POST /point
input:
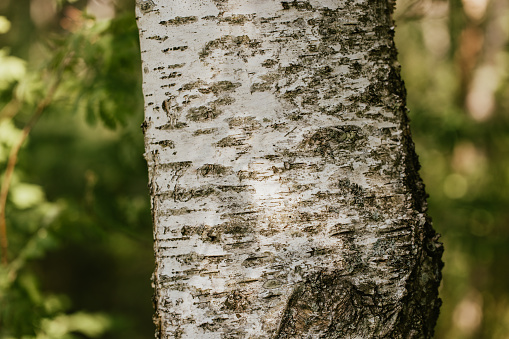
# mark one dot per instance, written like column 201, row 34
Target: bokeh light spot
column 468, row 314
column 455, row 186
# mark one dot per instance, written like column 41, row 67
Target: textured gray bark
column 285, row 193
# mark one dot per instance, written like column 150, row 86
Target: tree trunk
column 285, row 194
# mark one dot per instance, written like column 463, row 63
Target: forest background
column 77, row 210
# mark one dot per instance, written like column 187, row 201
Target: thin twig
column 13, row 156
column 9, row 110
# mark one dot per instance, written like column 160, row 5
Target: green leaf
column 11, row 68
column 5, row 25
column 26, row 195
column 92, row 325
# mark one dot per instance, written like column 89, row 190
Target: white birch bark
column 285, row 194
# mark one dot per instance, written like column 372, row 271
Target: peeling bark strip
column 285, row 193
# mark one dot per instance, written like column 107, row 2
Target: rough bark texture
column 285, row 193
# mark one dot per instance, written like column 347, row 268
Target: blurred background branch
column 13, row 155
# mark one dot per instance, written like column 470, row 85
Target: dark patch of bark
column 329, row 141
column 298, row 5
column 215, row 170
column 328, row 305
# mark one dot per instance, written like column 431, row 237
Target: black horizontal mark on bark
column 179, row 20
column 299, row 5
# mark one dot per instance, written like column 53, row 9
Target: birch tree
column 285, row 194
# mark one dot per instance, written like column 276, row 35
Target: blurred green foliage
column 78, row 214
column 79, row 227
column 455, row 58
